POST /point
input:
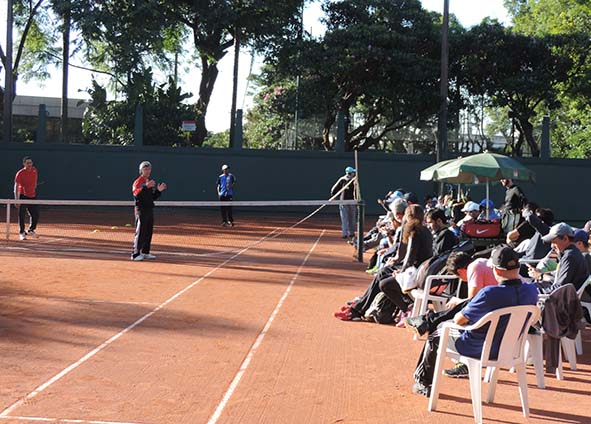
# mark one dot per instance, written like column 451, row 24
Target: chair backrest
column 511, row 349
column 583, row 287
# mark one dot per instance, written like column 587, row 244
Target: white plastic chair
column 511, row 355
column 423, row 296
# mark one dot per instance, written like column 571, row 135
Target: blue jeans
column 348, row 221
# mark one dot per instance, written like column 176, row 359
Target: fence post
column 360, row 229
column 42, row 124
column 138, row 127
column 8, row 220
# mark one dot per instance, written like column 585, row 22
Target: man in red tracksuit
column 25, row 188
column 145, row 191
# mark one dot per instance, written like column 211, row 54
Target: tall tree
column 520, row 72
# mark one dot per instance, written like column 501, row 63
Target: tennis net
column 181, row 229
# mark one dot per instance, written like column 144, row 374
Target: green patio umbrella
column 429, row 174
column 477, row 168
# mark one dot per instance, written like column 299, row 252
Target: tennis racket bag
column 482, row 229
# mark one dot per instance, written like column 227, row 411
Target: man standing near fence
column 25, row 188
column 225, row 188
column 145, row 191
column 344, row 189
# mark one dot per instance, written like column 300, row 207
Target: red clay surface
column 73, row 289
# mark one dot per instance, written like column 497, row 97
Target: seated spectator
column 509, row 292
column 443, row 238
column 572, row 266
column 471, row 211
column 524, row 230
column 540, row 221
column 581, row 239
column 419, row 247
column 414, row 246
column 411, row 198
column 493, row 215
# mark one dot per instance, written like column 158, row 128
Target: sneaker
column 149, row 256
column 22, row 236
column 459, row 371
column 139, row 257
column 372, row 270
column 33, row 234
column 231, row 224
column 417, row 324
column 421, row 389
column 224, row 224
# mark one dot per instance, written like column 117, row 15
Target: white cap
column 145, row 164
column 471, row 206
column 224, row 167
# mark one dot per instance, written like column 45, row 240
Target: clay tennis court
column 228, row 325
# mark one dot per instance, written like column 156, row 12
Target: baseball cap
column 411, row 197
column 558, row 230
column 144, row 164
column 349, row 170
column 491, row 204
column 503, row 257
column 398, row 206
column 581, row 235
column 471, row 206
column 224, row 167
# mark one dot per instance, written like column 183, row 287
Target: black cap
column 411, row 197
column 503, row 257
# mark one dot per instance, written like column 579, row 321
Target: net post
column 360, row 225
column 8, row 220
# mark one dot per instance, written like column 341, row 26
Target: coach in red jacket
column 25, row 188
column 145, row 191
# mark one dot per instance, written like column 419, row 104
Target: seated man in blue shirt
column 510, row 292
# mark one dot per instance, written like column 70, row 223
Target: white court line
column 222, row 405
column 65, row 420
column 96, row 350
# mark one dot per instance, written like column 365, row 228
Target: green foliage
column 570, row 22
column 163, row 110
column 378, row 63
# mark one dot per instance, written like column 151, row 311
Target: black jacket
column 443, row 241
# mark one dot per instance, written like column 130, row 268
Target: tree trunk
column 328, row 123
column 65, row 69
column 526, row 130
column 209, row 74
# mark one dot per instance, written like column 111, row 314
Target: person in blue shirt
column 225, row 188
column 511, row 291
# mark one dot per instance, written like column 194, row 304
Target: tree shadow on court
column 34, row 321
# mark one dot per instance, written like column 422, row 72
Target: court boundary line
column 259, row 340
column 115, row 337
column 65, row 420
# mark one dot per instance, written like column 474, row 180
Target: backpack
column 381, row 310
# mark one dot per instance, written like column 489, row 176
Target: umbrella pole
column 487, row 196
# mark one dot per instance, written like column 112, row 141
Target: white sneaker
column 32, row 234
column 139, row 257
column 149, row 256
column 22, row 236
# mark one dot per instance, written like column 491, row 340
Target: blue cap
column 582, row 235
column 491, row 204
column 349, row 170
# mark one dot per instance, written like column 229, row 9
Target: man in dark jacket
column 572, row 266
column 443, row 238
column 145, row 191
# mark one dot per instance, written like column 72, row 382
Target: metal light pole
column 234, row 85
column 8, row 77
column 297, row 97
column 442, row 144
